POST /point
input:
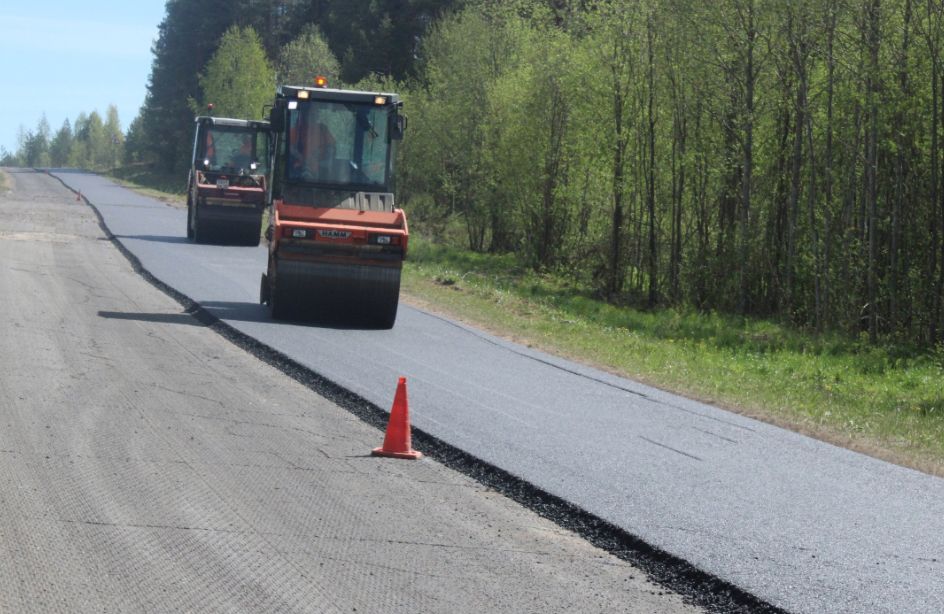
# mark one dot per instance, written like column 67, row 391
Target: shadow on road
column 234, row 312
column 65, row 171
column 158, row 318
column 239, row 312
column 155, row 238
column 254, row 312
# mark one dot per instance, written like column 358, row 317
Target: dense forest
column 774, row 158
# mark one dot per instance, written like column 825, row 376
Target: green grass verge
column 886, row 401
column 171, row 189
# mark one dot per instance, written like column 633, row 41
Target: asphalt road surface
column 804, row 525
column 149, row 465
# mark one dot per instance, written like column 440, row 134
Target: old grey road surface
column 148, row 465
column 803, row 525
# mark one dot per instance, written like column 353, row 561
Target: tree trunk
column 932, row 292
column 746, row 186
column 678, row 190
column 614, row 283
column 900, row 177
column 550, row 221
column 651, row 175
column 871, row 161
column 831, row 19
column 796, row 168
column 777, row 233
column 939, row 291
column 702, row 220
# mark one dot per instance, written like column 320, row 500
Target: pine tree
column 61, row 145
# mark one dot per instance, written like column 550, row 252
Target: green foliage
column 375, row 37
column 721, row 155
column 372, row 37
column 238, row 79
column 34, row 145
column 450, row 154
column 113, row 139
column 95, row 148
column 135, row 148
column 305, row 57
column 61, row 145
column 92, row 144
column 8, row 158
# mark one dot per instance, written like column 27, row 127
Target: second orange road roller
column 226, row 190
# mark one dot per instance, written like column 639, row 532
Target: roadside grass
column 4, row 181
column 886, row 401
column 144, row 179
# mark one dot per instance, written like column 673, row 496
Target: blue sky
column 64, row 58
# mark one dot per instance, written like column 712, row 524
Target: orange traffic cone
column 397, row 442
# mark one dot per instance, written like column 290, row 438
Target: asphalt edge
column 696, row 586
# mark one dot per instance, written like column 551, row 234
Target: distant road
column 149, row 465
column 804, row 525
